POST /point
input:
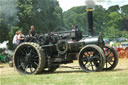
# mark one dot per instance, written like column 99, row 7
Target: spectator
column 20, row 38
column 32, row 31
column 15, row 40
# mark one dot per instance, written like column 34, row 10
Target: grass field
column 67, row 76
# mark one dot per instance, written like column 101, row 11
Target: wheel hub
column 28, row 58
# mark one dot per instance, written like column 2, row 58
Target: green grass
column 73, row 78
column 64, row 76
column 116, row 43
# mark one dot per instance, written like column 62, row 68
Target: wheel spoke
column 106, row 65
column 30, row 51
column 33, row 55
column 26, row 68
column 31, row 68
column 88, row 65
column 25, row 51
column 96, row 57
column 19, row 66
column 36, row 57
column 109, row 52
column 36, row 63
column 92, row 66
column 85, row 63
column 109, row 63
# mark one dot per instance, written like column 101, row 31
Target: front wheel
column 91, row 58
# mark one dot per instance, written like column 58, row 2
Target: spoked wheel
column 29, row 58
column 50, row 69
column 111, row 58
column 91, row 58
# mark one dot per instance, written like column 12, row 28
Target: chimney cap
column 89, row 9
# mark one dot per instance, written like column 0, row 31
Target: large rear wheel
column 29, row 58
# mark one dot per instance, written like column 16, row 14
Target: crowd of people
column 19, row 36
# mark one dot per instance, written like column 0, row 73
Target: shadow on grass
column 1, row 66
column 75, row 71
column 63, row 72
column 116, row 70
column 80, row 71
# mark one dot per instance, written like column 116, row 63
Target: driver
column 32, row 31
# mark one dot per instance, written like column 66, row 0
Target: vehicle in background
column 124, row 45
column 121, row 39
column 106, row 40
column 122, row 50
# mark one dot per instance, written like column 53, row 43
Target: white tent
column 4, row 44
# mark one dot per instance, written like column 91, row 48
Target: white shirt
column 15, row 38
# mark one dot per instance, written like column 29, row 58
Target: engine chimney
column 90, row 22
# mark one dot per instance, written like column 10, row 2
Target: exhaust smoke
column 90, row 3
column 8, row 12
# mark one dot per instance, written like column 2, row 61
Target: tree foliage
column 47, row 16
column 3, row 32
column 76, row 16
column 124, row 10
column 112, row 22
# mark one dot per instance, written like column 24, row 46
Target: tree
column 125, row 23
column 112, row 32
column 124, row 33
column 76, row 16
column 114, row 8
column 45, row 15
column 114, row 25
column 110, row 22
column 99, row 19
column 124, row 10
column 3, row 31
column 25, row 14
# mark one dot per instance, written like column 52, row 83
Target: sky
column 67, row 4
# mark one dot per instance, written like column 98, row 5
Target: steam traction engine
column 44, row 53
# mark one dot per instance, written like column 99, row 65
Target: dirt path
column 122, row 66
